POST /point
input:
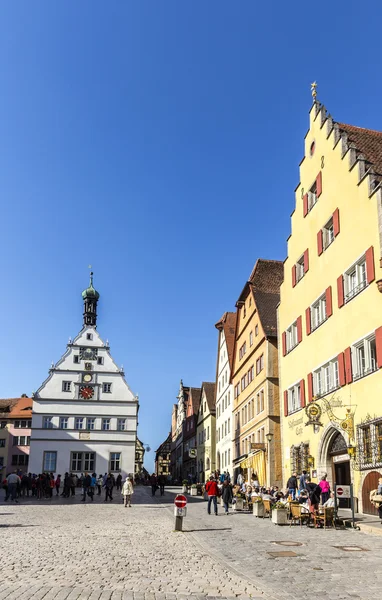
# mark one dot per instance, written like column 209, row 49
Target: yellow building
column 330, row 334
column 206, row 433
column 256, row 408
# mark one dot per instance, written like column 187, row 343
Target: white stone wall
column 224, row 405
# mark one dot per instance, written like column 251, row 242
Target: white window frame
column 64, row 423
column 312, row 196
column 251, row 338
column 300, row 268
column 291, row 336
column 79, row 423
column 328, row 236
column 66, row 386
column 116, row 461
column 326, row 377
column 47, row 465
column 355, row 278
column 122, row 424
column 106, row 421
column 106, row 388
column 47, row 422
column 363, row 357
column 318, row 314
column 294, row 398
column 90, row 423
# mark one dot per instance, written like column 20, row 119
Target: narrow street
column 65, row 550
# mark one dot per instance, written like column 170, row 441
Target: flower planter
column 258, row 509
column 279, row 516
column 239, row 504
column 194, row 492
column 184, row 489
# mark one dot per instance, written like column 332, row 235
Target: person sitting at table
column 248, row 493
column 303, row 497
column 255, row 492
column 330, row 501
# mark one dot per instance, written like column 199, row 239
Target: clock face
column 88, row 353
column 87, row 377
column 86, row 392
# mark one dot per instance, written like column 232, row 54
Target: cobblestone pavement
column 65, row 550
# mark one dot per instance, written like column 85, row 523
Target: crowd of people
column 45, row 485
column 300, row 489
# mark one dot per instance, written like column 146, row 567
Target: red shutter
column 299, row 330
column 305, row 201
column 286, row 403
column 294, row 275
column 329, row 307
column 336, row 222
column 306, row 261
column 320, row 243
column 340, row 291
column 348, row 369
column 378, row 343
column 319, row 184
column 307, row 319
column 341, row 369
column 284, row 343
column 302, row 393
column 310, row 387
column 370, row 273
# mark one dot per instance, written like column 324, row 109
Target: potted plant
column 194, row 490
column 258, row 507
column 239, row 501
column 279, row 514
column 184, row 486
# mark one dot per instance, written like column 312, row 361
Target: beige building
column 256, row 412
column 206, row 433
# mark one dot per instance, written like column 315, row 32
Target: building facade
column 139, row 458
column 163, row 458
column 206, row 433
column 15, row 433
column 330, row 319
column 256, row 427
column 84, row 414
column 189, row 435
column 224, row 391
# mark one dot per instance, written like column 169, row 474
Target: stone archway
column 324, row 458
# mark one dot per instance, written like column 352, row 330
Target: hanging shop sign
column 313, row 412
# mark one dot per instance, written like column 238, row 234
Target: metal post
column 178, row 523
column 352, row 505
column 335, row 503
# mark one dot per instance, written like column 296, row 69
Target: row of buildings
column 299, row 361
column 84, row 416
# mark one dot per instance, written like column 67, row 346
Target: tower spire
column 90, row 297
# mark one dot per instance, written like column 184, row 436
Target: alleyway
column 53, row 550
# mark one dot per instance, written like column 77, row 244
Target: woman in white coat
column 127, row 491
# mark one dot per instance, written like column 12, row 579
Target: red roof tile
column 367, row 141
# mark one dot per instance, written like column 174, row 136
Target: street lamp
column 269, row 436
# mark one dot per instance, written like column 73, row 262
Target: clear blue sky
column 160, row 142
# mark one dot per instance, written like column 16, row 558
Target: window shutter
column 320, row 243
column 286, row 403
column 310, row 387
column 302, row 393
column 370, row 273
column 340, row 291
column 336, row 222
column 319, row 184
column 348, row 368
column 305, row 201
column 308, row 323
column 341, row 369
column 284, row 346
column 378, row 344
column 306, row 261
column 329, row 306
column 299, row 330
column 294, row 275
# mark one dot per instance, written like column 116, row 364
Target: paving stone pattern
column 62, row 549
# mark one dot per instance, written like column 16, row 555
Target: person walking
column 99, row 484
column 128, row 491
column 302, row 481
column 72, row 483
column 86, row 487
column 13, row 480
column 161, row 482
column 325, row 489
column 57, row 484
column 108, row 488
column 51, row 484
column 227, row 495
column 118, row 482
column 154, row 484
column 292, row 485
column 212, row 492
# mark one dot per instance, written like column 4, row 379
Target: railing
column 356, row 290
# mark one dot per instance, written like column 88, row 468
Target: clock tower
column 84, row 414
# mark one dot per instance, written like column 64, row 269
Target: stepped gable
column 265, row 281
column 195, row 395
column 367, row 141
column 228, row 324
column 209, row 389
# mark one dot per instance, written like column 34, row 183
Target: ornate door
column 370, row 483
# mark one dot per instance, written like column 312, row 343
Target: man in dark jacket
column 292, row 485
column 227, row 495
column 87, row 487
column 212, row 492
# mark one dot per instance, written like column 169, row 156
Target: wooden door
column 370, row 483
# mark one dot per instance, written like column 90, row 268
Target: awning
column 237, row 461
column 256, row 462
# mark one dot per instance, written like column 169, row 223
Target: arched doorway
column 370, row 483
column 340, row 464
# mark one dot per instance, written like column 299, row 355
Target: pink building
column 19, row 435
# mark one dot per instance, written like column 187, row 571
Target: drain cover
column 352, row 548
column 282, row 553
column 288, row 543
